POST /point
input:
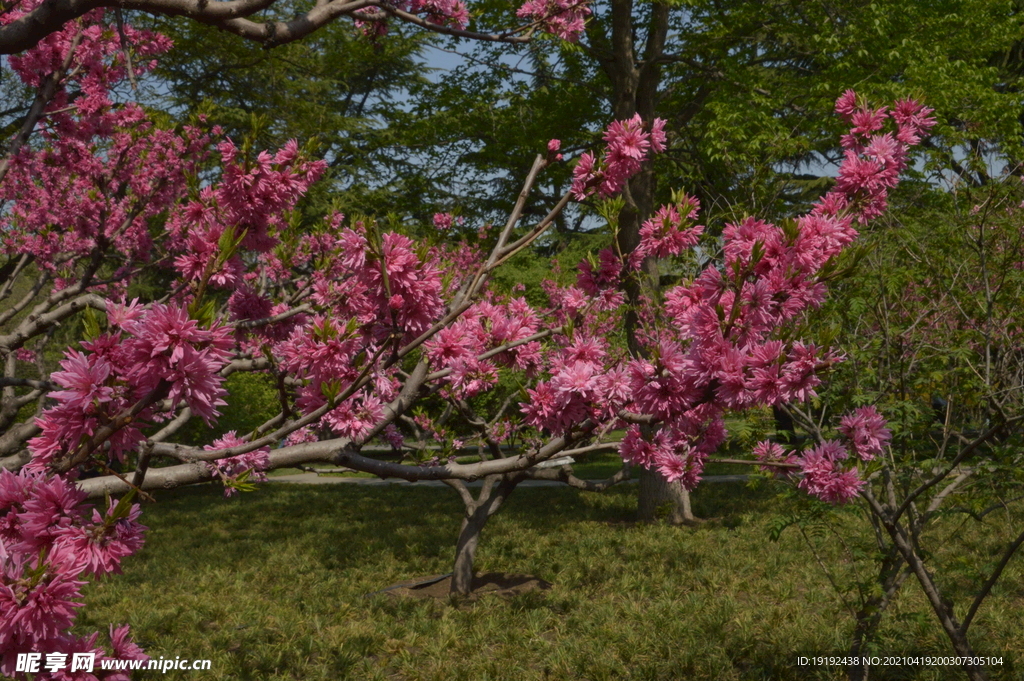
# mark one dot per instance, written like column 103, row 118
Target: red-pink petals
column 627, row 145
column 563, row 18
column 46, row 545
column 228, row 469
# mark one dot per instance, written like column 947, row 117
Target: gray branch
column 228, row 15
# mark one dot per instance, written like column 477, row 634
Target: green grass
column 274, row 584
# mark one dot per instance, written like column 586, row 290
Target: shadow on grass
column 347, row 525
column 547, row 508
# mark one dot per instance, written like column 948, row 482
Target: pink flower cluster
column 104, row 171
column 669, row 451
column 228, row 469
column 252, row 198
column 442, row 12
column 711, row 348
column 772, row 452
column 671, row 231
column 451, row 13
column 383, row 283
column 600, row 281
column 866, row 432
column 873, row 161
column 48, row 544
column 486, row 326
column 580, row 388
column 553, row 147
column 565, row 19
column 445, row 221
column 829, row 472
column 628, row 143
column 389, row 294
column 143, row 351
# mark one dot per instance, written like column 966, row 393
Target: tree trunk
column 891, row 578
column 942, row 607
column 465, row 552
column 636, row 79
column 661, row 499
column 478, row 512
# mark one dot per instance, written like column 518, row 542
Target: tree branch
column 28, row 383
column 228, row 15
column 564, row 474
column 990, row 582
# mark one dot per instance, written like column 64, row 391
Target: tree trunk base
column 663, row 500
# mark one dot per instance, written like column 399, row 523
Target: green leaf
column 90, row 324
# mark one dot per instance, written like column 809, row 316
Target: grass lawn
column 273, row 585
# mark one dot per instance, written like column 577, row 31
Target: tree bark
column 478, row 512
column 636, row 79
column 465, row 553
column 658, row 496
column 891, row 578
column 942, row 606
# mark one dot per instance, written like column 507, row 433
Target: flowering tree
column 357, row 325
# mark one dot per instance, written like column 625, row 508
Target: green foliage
column 747, row 429
column 480, row 126
column 747, row 88
column 334, row 89
column 252, row 400
column 810, row 516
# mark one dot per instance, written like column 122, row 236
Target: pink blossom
column 245, row 303
column 84, row 378
column 442, row 12
column 562, row 18
column 98, row 548
column 627, row 145
column 445, row 221
column 583, row 175
column 825, row 480
column 772, row 452
column 553, row 147
column 668, row 233
column 37, row 612
column 393, row 436
column 636, row 449
column 228, row 469
column 301, row 436
column 866, row 431
column 355, row 417
column 124, row 648
column 42, row 521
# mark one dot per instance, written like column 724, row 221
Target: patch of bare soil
column 498, row 583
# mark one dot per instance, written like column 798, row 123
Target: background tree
column 337, row 89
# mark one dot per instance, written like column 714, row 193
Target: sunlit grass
column 274, row 585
